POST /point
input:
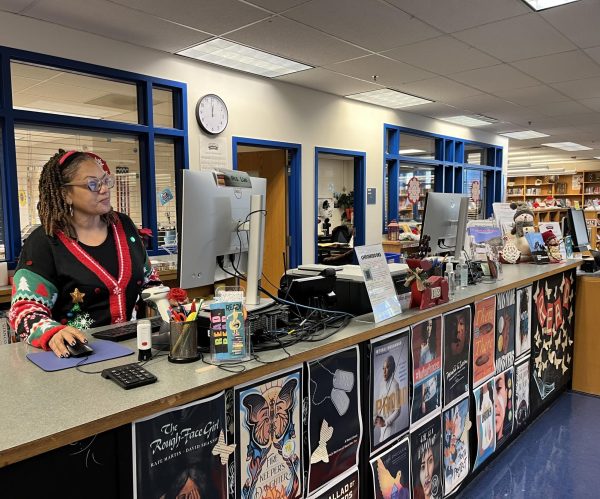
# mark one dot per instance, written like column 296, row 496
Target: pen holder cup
column 184, row 342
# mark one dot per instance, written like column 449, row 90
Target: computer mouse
column 79, row 349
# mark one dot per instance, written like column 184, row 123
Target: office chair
column 340, row 234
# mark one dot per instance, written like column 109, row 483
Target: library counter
column 42, row 411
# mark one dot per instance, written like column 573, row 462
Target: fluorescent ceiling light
column 406, row 152
column 472, row 120
column 236, row 56
column 387, row 97
column 546, row 4
column 525, row 134
column 568, row 146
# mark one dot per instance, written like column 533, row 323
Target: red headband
column 99, row 161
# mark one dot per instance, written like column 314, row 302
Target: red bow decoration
column 145, row 232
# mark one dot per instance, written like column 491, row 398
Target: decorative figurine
column 553, row 245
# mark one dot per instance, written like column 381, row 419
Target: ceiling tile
column 594, row 53
column 518, row 38
column 531, row 96
column 432, row 110
column 371, row 24
column 455, row 15
column 328, row 81
column 295, row 41
column 443, row 55
column 481, row 104
column 561, row 108
column 492, row 79
column 593, row 104
column 389, row 72
column 580, row 89
column 277, row 5
column 15, row 5
column 206, row 15
column 582, row 120
column 438, row 89
column 577, row 21
column 119, row 23
column 572, row 65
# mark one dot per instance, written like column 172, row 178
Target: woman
column 389, row 402
column 86, row 264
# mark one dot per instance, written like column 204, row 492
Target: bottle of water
column 463, row 271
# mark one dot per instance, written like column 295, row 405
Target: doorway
column 279, row 163
column 340, row 191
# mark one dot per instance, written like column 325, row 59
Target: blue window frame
column 449, row 162
column 144, row 131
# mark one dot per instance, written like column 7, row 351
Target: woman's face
column 500, row 404
column 387, row 372
column 458, row 344
column 84, row 200
column 426, row 471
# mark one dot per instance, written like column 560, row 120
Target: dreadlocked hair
column 53, row 209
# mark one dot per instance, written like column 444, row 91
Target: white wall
column 258, row 107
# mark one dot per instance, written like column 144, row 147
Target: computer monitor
column 445, row 222
column 577, row 229
column 213, row 208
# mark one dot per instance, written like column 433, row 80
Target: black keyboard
column 129, row 376
column 124, row 330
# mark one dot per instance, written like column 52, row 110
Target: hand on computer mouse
column 67, row 335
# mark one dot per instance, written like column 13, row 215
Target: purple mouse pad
column 103, row 350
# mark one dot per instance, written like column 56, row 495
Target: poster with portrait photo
column 388, row 387
column 523, row 322
column 391, row 472
column 425, row 455
column 426, row 348
column 505, row 330
column 455, row 444
column 334, row 419
column 484, row 339
column 522, row 393
column 457, row 349
column 182, row 451
column 504, row 405
column 268, row 434
column 485, row 421
column 346, row 487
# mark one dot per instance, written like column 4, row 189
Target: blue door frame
column 294, row 189
column 360, row 192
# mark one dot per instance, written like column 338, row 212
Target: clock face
column 211, row 113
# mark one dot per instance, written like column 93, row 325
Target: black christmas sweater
column 60, row 282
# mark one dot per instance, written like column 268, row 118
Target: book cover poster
column 522, row 393
column 228, row 337
column 182, row 451
column 426, row 346
column 485, row 421
column 455, row 445
column 523, row 322
column 347, row 487
column 334, row 419
column 391, row 472
column 504, row 405
column 505, row 330
column 484, row 339
column 388, row 383
column 552, row 322
column 425, row 455
column 269, row 437
column 457, row 349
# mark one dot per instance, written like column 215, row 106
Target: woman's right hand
column 68, row 334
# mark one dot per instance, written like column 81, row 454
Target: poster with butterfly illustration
column 425, row 455
column 388, row 387
column 334, row 420
column 391, row 472
column 268, row 435
column 346, row 487
column 182, row 451
column 552, row 323
column 426, row 343
column 484, row 340
column 455, row 445
column 522, row 393
column 504, row 405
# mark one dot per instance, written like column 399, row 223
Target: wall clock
column 212, row 114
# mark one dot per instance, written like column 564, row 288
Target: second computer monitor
column 578, row 229
column 445, row 222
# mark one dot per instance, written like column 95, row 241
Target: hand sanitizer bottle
column 451, row 279
column 463, row 270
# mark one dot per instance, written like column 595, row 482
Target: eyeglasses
column 95, row 184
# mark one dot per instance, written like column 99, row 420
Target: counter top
column 42, row 411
